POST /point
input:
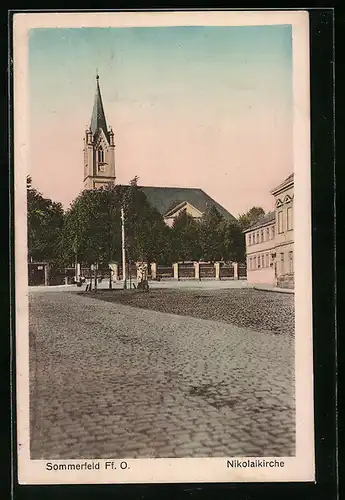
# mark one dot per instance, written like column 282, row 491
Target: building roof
column 284, row 184
column 98, row 120
column 263, row 221
column 164, row 199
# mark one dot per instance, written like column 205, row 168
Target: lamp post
column 123, row 249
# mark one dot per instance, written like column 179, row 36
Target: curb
column 274, row 290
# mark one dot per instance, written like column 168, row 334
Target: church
column 99, row 171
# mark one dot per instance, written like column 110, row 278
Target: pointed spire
column 98, row 117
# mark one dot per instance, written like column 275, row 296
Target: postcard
column 163, row 291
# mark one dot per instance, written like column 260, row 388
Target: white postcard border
column 299, row 468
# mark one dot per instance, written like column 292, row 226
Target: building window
column 262, row 235
column 267, row 260
column 258, row 237
column 281, row 263
column 273, row 232
column 280, row 222
column 259, row 262
column 100, row 155
column 289, row 218
column 253, row 238
column 249, row 239
column 262, row 260
column 291, row 262
column 267, row 233
column 254, row 262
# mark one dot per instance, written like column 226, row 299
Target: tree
column 147, row 236
column 44, row 223
column 211, row 234
column 92, row 229
column 250, row 217
column 233, row 242
column 185, row 238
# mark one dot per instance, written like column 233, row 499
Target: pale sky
column 207, row 107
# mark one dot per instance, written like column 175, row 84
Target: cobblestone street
column 112, row 381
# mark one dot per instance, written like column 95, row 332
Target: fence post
column 197, row 270
column 235, row 265
column 139, row 266
column 153, row 270
column 95, row 276
column 217, row 268
column 175, row 268
column 114, row 271
column 46, row 275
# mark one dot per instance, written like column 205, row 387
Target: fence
column 226, row 270
column 38, row 273
column 163, row 272
column 43, row 274
column 242, row 271
column 185, row 271
column 207, row 270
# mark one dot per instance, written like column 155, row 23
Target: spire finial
column 97, row 75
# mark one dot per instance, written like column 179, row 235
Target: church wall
column 190, row 211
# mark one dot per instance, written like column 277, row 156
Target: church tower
column 99, row 148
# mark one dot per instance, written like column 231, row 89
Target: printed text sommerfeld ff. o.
column 88, row 466
column 124, row 465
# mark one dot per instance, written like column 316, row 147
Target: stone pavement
column 113, row 381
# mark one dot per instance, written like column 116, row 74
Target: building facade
column 260, row 250
column 284, row 239
column 270, row 241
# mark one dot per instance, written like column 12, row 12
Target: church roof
column 98, row 120
column 164, row 199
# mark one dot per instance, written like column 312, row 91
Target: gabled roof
column 164, row 199
column 183, row 205
column 284, row 184
column 263, row 221
column 98, row 120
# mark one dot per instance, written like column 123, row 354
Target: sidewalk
column 268, row 288
column 188, row 284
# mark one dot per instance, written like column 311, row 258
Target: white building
column 270, row 241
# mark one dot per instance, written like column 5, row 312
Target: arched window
column 100, row 155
